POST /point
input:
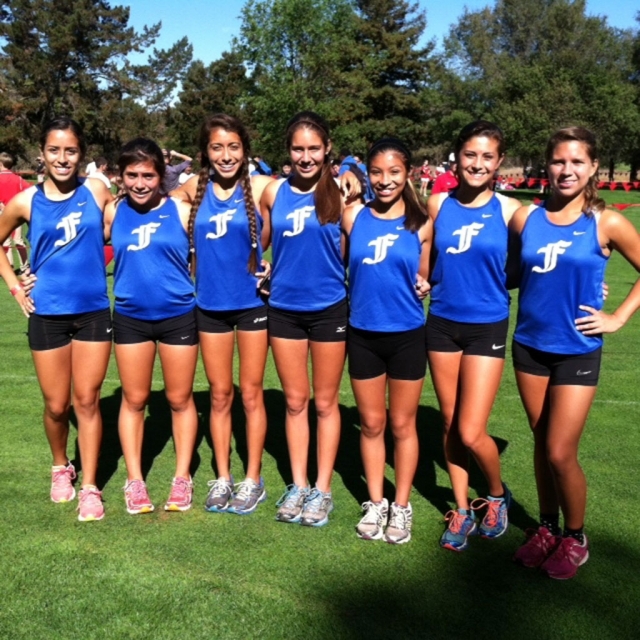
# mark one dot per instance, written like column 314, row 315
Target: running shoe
column 398, row 530
column 496, row 520
column 62, row 478
column 540, row 544
column 317, row 508
column 90, row 505
column 247, row 496
column 460, row 525
column 180, row 496
column 290, row 503
column 220, row 492
column 563, row 563
column 372, row 525
column 136, row 497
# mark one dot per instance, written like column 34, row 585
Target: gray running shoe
column 317, row 508
column 372, row 525
column 247, row 496
column 291, row 503
column 398, row 530
column 219, row 495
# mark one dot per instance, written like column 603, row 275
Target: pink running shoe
column 136, row 497
column 62, row 478
column 180, row 496
column 540, row 544
column 90, row 504
column 563, row 563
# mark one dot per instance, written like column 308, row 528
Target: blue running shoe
column 461, row 524
column 495, row 521
column 291, row 503
column 247, row 496
column 317, row 508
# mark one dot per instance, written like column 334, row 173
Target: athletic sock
column 551, row 521
column 577, row 534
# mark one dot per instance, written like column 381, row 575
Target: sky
column 211, row 24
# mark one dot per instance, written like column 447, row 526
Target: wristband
column 14, row 290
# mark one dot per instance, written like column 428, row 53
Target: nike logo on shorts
column 110, row 329
column 582, row 373
column 495, row 347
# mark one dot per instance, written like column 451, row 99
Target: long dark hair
column 326, row 198
column 579, row 134
column 232, row 125
column 64, row 123
column 414, row 211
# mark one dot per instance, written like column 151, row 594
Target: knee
column 55, row 410
column 325, row 407
column 221, row 399
column 180, row 402
column 297, row 404
column 403, row 428
column 252, row 397
column 373, row 426
column 561, row 459
column 87, row 403
column 135, row 403
column 472, row 438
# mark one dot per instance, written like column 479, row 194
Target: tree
column 70, row 56
column 534, row 67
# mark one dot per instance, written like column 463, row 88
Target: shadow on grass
column 482, row 593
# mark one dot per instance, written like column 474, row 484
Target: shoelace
column 290, row 497
column 493, row 509
column 313, row 503
column 218, row 487
column 373, row 513
column 244, row 489
column 90, row 497
column 399, row 518
column 62, row 475
column 455, row 520
column 181, row 488
column 137, row 490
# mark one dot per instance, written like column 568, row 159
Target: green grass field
column 204, row 575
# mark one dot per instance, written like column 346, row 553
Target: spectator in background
column 261, row 168
column 172, row 172
column 285, row 171
column 187, row 174
column 446, row 181
column 10, row 185
column 40, row 168
column 100, row 171
column 425, row 177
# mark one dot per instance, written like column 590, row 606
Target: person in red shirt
column 446, row 181
column 10, row 184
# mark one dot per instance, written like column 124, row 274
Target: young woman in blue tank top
column 467, row 325
column 154, row 311
column 69, row 318
column 389, row 243
column 308, row 310
column 227, row 234
column 559, row 252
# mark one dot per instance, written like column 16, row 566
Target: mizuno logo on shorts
column 341, row 329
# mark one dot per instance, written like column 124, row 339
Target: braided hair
column 232, row 125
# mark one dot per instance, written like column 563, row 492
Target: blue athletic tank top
column 151, row 276
column 468, row 279
column 67, row 254
column 308, row 272
column 223, row 245
column 561, row 268
column 383, row 262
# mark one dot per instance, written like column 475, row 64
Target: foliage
column 70, row 57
